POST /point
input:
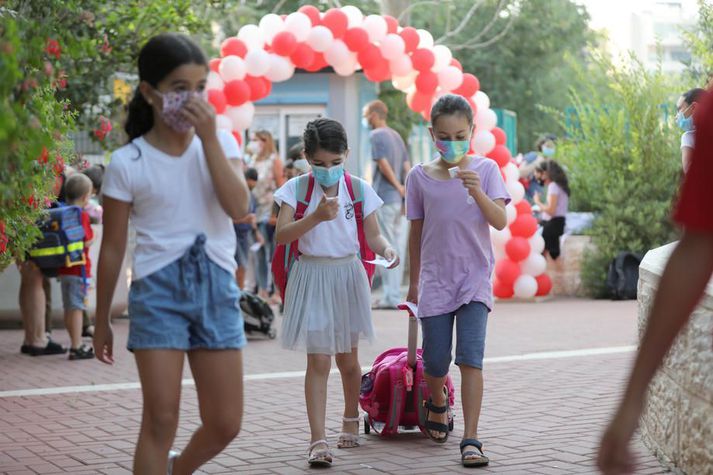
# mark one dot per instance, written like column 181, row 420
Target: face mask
column 365, row 123
column 453, row 151
column 685, row 123
column 254, row 147
column 173, row 102
column 328, row 176
column 548, row 152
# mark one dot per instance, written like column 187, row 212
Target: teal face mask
column 548, row 152
column 328, row 176
column 685, row 123
column 453, row 151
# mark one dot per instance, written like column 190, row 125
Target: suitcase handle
column 412, row 341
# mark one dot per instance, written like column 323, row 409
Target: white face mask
column 254, row 147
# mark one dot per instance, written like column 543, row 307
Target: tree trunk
column 395, row 8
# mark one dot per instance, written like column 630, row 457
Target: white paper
column 380, row 261
column 453, row 172
column 255, row 247
column 410, row 307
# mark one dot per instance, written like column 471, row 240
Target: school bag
column 393, row 392
column 286, row 254
column 62, row 243
column 257, row 315
column 623, row 276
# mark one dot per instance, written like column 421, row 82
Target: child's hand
column 471, row 181
column 201, row 116
column 412, row 295
column 390, row 255
column 104, row 343
column 327, row 209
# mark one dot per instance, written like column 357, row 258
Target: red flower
column 53, row 48
column 3, row 238
column 104, row 128
column 44, row 158
column 58, row 164
column 32, row 202
column 105, row 47
column 49, row 69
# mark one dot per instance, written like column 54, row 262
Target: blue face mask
column 328, row 176
column 453, row 151
column 685, row 123
column 365, row 123
column 548, row 152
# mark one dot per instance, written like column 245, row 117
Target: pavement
column 553, row 373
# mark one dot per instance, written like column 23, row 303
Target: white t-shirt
column 688, row 138
column 173, row 201
column 336, row 238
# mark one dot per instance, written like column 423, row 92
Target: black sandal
column 432, row 426
column 52, row 348
column 481, row 461
column 84, row 352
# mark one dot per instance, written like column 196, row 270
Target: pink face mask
column 173, row 102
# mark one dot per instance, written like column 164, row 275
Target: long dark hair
column 556, row 173
column 157, row 59
column 326, row 134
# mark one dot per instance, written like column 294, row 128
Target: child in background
column 74, row 280
column 554, row 209
column 452, row 264
column 246, row 232
column 328, row 298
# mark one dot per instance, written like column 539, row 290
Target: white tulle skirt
column 327, row 306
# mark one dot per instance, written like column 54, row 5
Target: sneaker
column 51, row 348
column 84, row 352
column 172, row 456
column 88, row 331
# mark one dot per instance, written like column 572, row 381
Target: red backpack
column 286, row 254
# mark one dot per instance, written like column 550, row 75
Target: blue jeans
column 471, row 321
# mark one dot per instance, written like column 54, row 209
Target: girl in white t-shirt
column 328, row 298
column 176, row 180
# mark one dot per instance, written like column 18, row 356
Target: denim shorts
column 471, row 321
column 190, row 304
column 242, row 250
column 74, row 292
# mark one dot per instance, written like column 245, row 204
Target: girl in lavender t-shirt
column 554, row 208
column 452, row 262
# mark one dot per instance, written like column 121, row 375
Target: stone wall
column 677, row 424
column 565, row 271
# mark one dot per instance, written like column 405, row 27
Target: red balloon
column 420, row 102
column 469, row 86
column 411, row 38
column 370, row 56
column 284, row 43
column 517, row 248
column 525, row 225
column 303, row 56
column 214, row 64
column 523, row 207
column 423, row 59
column 500, row 137
column 392, row 24
column 257, row 87
column 502, row 291
column 317, row 64
column 217, row 98
column 426, row 114
column 268, row 86
column 312, row 12
column 427, row 82
column 236, row 92
column 456, row 63
column 233, row 46
column 356, row 39
column 239, row 137
column 507, row 271
column 337, row 21
column 544, row 285
column 501, row 155
column 380, row 72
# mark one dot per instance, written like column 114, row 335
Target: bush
column 624, row 163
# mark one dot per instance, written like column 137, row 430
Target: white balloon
column 337, row 54
column 270, row 25
column 515, row 190
column 483, row 142
column 257, row 62
column 482, row 101
column 375, row 27
column 500, row 237
column 393, row 47
column 354, row 15
column 511, row 213
column 299, row 25
column 485, row 119
column 443, row 57
column 537, row 243
column 401, row 66
column 222, row 121
column 252, row 36
column 232, row 68
column 425, row 39
column 402, row 83
column 241, row 116
column 534, row 265
column 320, row 38
column 511, row 172
column 343, row 70
column 450, row 78
column 281, row 68
column 214, row 81
column 525, row 287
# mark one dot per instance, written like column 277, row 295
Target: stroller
column 394, row 391
column 257, row 315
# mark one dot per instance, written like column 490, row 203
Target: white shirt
column 688, row 138
column 336, row 238
column 173, row 201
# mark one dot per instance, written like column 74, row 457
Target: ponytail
column 140, row 116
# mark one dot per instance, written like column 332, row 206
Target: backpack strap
column 305, row 187
column 356, row 193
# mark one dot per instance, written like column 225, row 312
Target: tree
column 700, row 42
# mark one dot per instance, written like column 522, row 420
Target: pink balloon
column 392, row 47
column 320, row 38
column 338, row 55
column 450, row 78
column 401, row 66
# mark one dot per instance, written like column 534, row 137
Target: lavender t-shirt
column 456, row 254
column 553, row 189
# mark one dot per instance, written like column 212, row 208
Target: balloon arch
column 346, row 40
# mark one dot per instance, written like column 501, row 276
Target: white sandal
column 321, row 457
column 348, row 440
